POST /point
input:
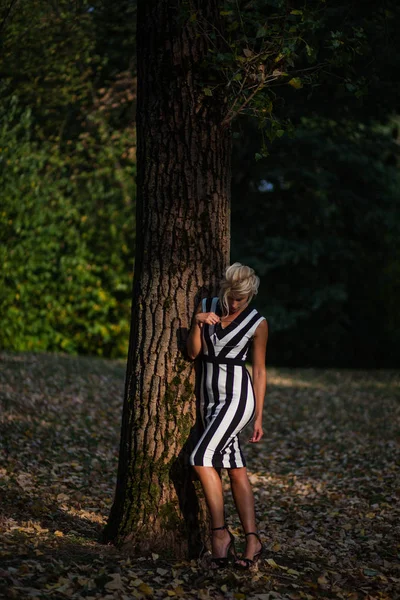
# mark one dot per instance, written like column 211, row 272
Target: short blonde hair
column 238, row 279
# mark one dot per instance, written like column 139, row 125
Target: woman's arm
column 259, row 376
column 193, row 342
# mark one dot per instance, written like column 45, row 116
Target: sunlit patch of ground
column 325, row 479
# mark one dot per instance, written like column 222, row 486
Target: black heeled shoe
column 250, row 562
column 224, row 561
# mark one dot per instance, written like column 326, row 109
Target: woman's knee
column 238, row 474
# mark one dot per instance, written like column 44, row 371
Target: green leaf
column 296, row 83
column 261, row 32
column 296, row 12
column 233, row 26
column 207, row 92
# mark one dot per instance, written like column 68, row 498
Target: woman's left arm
column 259, row 376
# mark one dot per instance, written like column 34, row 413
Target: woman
column 222, row 332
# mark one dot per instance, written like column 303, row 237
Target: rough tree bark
column 183, row 220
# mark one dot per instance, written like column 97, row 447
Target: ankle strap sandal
column 250, row 562
column 230, row 553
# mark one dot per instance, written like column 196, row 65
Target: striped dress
column 227, row 402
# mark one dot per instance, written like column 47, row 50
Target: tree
column 183, row 158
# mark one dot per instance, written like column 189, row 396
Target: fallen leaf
column 115, row 583
column 370, row 572
column 322, row 580
column 146, row 589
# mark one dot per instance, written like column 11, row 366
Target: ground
column 325, row 477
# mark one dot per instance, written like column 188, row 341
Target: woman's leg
column 244, row 501
column 212, row 487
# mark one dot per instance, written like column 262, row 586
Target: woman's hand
column 257, row 431
column 208, row 317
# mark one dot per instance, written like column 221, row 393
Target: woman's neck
column 235, row 314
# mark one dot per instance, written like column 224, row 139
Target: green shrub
column 67, row 225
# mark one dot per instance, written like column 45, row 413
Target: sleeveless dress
column 227, row 401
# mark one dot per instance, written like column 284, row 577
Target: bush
column 67, row 221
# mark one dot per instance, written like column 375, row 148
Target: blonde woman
column 222, row 332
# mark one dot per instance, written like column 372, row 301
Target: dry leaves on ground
column 325, row 478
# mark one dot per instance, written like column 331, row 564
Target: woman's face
column 236, row 302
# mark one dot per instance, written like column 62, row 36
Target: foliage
column 115, row 26
column 325, row 238
column 262, row 49
column 55, row 56
column 48, row 60
column 68, row 221
column 68, row 170
column 324, row 480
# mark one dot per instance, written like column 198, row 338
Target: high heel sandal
column 224, row 561
column 250, row 562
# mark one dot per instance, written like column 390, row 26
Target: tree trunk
column 183, row 221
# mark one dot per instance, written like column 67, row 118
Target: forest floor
column 325, row 477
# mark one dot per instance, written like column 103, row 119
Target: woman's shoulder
column 260, row 326
column 257, row 313
column 259, row 318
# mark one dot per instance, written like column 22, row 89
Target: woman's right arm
column 193, row 343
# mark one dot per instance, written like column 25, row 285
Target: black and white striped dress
column 227, row 401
